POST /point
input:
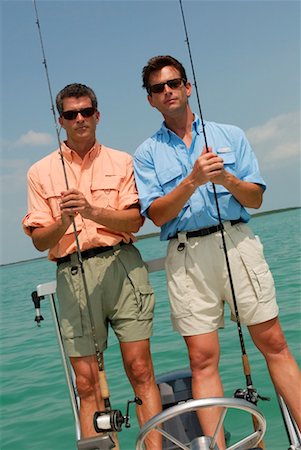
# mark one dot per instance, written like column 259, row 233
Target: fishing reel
column 249, row 394
column 112, row 420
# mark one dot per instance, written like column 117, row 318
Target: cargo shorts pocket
column 146, row 302
column 263, row 283
column 251, row 254
column 70, row 313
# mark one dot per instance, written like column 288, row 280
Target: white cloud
column 34, row 138
column 277, row 142
column 13, row 175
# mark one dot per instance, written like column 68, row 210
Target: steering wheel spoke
column 224, row 404
column 171, row 438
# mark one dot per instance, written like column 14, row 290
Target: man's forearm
column 126, row 220
column 246, row 193
column 45, row 238
column 166, row 208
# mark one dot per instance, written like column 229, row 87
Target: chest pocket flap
column 228, row 156
column 105, row 191
column 169, row 178
column 229, row 159
column 54, row 195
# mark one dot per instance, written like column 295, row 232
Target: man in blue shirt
column 175, row 175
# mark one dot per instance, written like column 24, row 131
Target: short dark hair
column 157, row 63
column 75, row 90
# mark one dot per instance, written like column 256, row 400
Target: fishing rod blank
column 115, row 417
column 100, row 363
column 249, row 382
column 250, row 392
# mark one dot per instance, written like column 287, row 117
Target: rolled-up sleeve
column 128, row 190
column 39, row 212
column 148, row 185
column 247, row 161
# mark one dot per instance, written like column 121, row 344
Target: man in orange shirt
column 102, row 200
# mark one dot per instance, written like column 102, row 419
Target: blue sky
column 247, row 62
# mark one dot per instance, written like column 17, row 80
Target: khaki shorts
column 198, row 281
column 119, row 294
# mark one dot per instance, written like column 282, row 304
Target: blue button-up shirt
column 163, row 161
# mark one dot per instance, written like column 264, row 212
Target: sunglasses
column 172, row 84
column 85, row 112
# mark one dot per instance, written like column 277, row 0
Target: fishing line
column 102, row 377
column 251, row 394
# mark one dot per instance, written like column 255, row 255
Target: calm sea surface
column 35, row 407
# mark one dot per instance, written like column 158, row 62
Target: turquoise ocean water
column 35, row 407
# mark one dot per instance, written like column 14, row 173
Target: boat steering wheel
column 248, row 442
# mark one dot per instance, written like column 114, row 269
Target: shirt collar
column 165, row 132
column 70, row 154
column 196, row 127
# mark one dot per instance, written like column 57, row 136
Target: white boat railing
column 154, row 265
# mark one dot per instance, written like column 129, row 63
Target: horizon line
column 157, row 233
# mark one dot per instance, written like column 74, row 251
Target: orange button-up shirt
column 105, row 176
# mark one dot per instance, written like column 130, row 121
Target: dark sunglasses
column 85, row 112
column 173, row 84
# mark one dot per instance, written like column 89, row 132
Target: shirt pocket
column 227, row 154
column 105, row 192
column 54, row 199
column 169, row 178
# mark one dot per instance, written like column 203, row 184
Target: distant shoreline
column 264, row 213
column 149, row 235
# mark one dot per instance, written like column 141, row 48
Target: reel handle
column 104, row 388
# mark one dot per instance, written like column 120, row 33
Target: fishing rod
column 108, row 420
column 250, row 392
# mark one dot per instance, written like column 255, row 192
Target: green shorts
column 119, row 294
